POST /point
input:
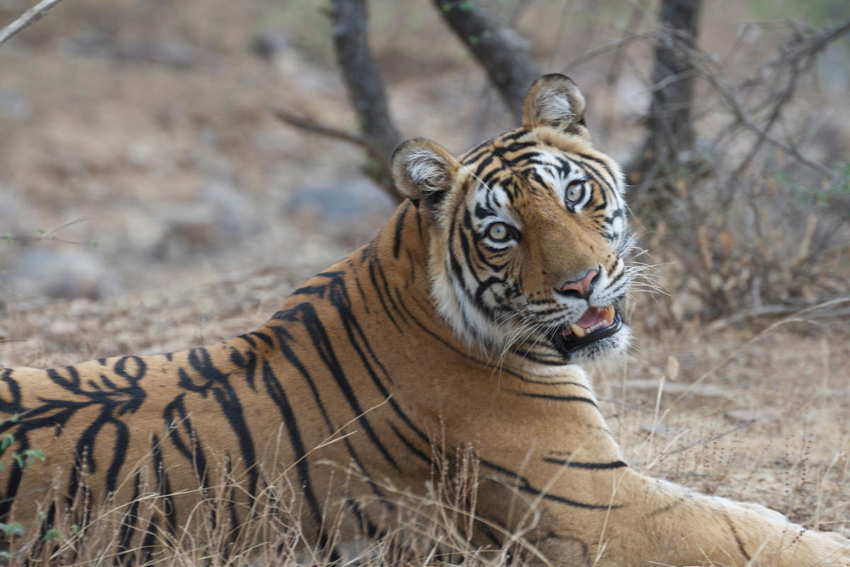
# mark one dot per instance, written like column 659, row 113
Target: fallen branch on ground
column 26, row 19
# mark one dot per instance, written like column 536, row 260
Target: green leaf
column 13, row 529
column 7, row 441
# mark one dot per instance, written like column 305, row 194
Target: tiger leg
column 668, row 524
column 621, row 518
column 556, row 475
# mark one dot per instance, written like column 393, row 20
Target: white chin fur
column 464, row 319
column 615, row 344
column 481, row 334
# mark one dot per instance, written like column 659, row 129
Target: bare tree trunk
column 503, row 53
column 668, row 148
column 670, row 112
column 365, row 88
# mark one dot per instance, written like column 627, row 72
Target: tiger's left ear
column 554, row 100
column 424, row 170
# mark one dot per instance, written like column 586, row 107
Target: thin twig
column 313, row 127
column 606, row 48
column 26, row 19
column 740, row 115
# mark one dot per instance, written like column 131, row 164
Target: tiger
column 466, row 320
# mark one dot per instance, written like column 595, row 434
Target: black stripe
column 306, row 314
column 364, row 301
column 386, row 286
column 228, row 400
column 479, row 169
column 263, row 337
column 310, row 290
column 302, row 466
column 248, row 363
column 409, row 444
column 588, row 466
column 399, row 225
column 128, row 525
column 737, row 537
column 176, row 417
column 340, row 299
column 374, row 279
column 163, row 486
column 524, row 485
column 284, row 337
column 364, row 525
column 559, row 398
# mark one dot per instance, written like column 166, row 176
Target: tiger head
column 529, row 233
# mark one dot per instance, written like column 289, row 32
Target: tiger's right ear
column 423, row 170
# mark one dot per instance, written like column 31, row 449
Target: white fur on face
column 451, row 291
column 486, row 307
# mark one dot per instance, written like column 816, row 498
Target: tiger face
column 529, row 238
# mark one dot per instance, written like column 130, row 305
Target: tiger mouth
column 595, row 324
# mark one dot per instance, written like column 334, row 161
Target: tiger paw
column 822, row 549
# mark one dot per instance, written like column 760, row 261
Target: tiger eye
column 574, row 193
column 498, row 231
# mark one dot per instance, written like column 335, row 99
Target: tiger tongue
column 591, row 317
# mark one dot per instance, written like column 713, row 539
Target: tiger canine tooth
column 577, row 331
column 608, row 314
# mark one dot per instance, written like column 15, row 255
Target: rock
column 751, row 415
column 220, row 218
column 14, row 104
column 346, row 202
column 17, row 217
column 269, row 43
column 177, row 54
column 66, row 272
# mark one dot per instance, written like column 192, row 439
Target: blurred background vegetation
column 140, row 144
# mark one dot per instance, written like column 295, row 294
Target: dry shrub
column 755, row 219
column 736, row 248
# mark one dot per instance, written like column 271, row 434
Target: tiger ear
column 554, row 100
column 423, row 170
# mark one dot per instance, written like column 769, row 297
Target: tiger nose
column 582, row 286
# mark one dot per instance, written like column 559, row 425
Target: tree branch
column 26, row 19
column 314, row 127
column 503, row 54
column 365, row 88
